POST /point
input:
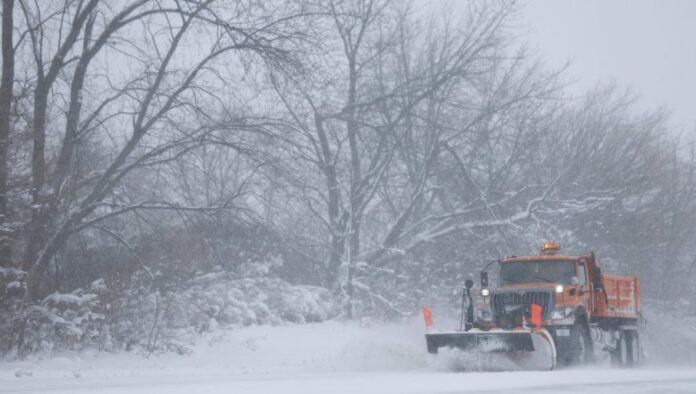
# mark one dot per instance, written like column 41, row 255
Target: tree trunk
column 5, row 107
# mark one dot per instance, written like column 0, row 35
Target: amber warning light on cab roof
column 550, row 248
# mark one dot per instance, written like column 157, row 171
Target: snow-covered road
column 332, row 357
column 576, row 381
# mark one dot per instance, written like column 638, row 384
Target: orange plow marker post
column 427, row 316
column 535, row 317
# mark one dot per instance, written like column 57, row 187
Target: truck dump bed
column 622, row 297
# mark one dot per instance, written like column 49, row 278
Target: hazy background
column 647, row 45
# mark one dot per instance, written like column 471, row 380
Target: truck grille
column 542, row 298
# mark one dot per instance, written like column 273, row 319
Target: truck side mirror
column 597, row 278
column 484, row 279
column 469, row 284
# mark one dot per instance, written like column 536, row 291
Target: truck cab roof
column 550, row 257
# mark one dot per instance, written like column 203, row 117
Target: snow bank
column 328, row 347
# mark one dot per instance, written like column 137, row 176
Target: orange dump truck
column 563, row 306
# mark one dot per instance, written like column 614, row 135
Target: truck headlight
column 559, row 289
column 561, row 312
column 485, row 292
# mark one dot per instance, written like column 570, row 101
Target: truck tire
column 580, row 349
column 619, row 357
column 633, row 350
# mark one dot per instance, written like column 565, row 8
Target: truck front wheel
column 579, row 350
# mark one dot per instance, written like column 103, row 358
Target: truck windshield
column 551, row 271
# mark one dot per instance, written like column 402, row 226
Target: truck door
column 585, row 291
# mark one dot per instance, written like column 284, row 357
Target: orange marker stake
column 427, row 316
column 536, row 315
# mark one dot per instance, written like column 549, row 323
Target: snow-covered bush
column 170, row 317
column 234, row 301
column 161, row 316
column 60, row 321
column 12, row 290
column 71, row 321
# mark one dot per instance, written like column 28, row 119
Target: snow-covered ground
column 328, row 357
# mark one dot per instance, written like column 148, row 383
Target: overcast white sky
column 648, row 45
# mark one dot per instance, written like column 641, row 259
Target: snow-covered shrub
column 12, row 290
column 169, row 318
column 61, row 321
column 156, row 311
column 232, row 301
column 66, row 321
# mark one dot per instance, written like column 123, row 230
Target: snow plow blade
column 487, row 342
column 525, row 349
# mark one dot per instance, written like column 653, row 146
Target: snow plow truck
column 561, row 306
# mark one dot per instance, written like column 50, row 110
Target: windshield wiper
column 544, row 279
column 515, row 282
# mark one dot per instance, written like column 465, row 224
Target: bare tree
column 67, row 197
column 6, row 86
column 397, row 116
